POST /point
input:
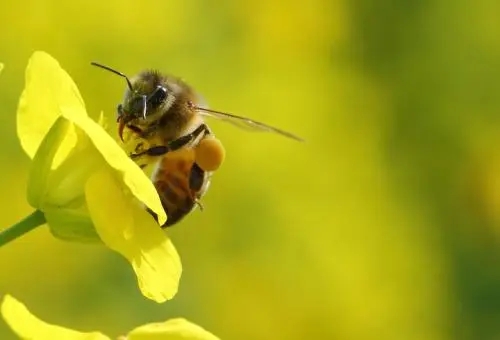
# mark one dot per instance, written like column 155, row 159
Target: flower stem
column 22, row 227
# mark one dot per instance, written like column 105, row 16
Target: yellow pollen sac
column 209, row 153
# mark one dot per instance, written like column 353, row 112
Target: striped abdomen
column 180, row 183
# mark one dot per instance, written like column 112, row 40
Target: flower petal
column 71, row 225
column 43, row 160
column 173, row 329
column 1, row 67
column 124, row 226
column 48, row 88
column 27, row 326
column 133, row 177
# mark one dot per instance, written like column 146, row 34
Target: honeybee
column 164, row 117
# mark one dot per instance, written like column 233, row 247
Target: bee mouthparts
column 121, row 127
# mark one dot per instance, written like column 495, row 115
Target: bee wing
column 245, row 123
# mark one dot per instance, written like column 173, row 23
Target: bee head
column 144, row 98
column 145, row 95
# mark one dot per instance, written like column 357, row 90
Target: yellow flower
column 28, row 326
column 84, row 183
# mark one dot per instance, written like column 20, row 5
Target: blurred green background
column 384, row 225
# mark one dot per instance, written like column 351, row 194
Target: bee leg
column 180, row 142
column 198, row 203
column 153, row 151
column 155, row 216
column 138, row 147
column 184, row 140
column 152, row 213
column 135, row 129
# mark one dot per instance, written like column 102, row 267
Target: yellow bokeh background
column 385, row 224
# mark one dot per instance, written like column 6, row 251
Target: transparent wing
column 244, row 123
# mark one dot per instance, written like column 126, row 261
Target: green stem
column 22, row 227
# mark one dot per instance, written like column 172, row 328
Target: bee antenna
column 115, row 72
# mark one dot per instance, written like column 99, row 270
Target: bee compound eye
column 158, row 96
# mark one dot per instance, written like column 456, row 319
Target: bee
column 166, row 118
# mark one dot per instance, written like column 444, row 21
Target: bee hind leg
column 180, row 142
column 152, row 213
column 184, row 140
column 198, row 203
column 158, row 150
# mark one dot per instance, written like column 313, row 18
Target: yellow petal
column 173, row 329
column 127, row 228
column 27, row 326
column 102, row 121
column 1, row 67
column 133, row 177
column 48, row 88
column 43, row 159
